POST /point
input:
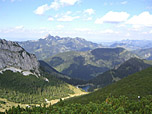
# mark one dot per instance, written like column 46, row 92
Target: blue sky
column 94, row 20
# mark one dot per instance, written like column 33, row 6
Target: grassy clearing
column 5, row 104
column 8, row 104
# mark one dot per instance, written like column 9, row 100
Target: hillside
column 30, row 89
column 86, row 65
column 132, row 86
column 46, row 69
column 50, row 45
column 131, row 95
column 129, row 67
column 25, row 80
column 144, row 53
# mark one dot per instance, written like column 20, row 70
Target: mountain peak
column 48, row 36
column 3, row 41
column 9, row 45
column 52, row 45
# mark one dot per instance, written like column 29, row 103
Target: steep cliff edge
column 13, row 55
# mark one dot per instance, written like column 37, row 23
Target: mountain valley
column 113, row 73
column 129, row 95
column 75, row 57
column 88, row 64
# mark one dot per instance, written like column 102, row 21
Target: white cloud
column 113, row 17
column 82, row 29
column 56, row 4
column 136, row 27
column 40, row 10
column 67, row 18
column 60, row 26
column 19, row 27
column 145, row 33
column 89, row 11
column 50, row 19
column 56, row 16
column 124, row 2
column 68, row 2
column 143, row 19
column 68, row 12
column 150, row 32
column 109, row 31
column 128, row 34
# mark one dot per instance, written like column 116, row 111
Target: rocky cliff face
column 13, row 55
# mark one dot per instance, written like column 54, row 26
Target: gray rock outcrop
column 13, row 55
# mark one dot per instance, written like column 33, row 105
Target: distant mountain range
column 88, row 64
column 142, row 48
column 127, row 68
column 132, row 44
column 50, row 45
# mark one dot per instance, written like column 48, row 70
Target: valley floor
column 5, row 104
column 71, row 95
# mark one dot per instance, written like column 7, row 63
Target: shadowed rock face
column 13, row 55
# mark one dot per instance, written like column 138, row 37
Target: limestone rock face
column 13, row 55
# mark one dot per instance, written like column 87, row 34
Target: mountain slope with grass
column 30, row 89
column 129, row 67
column 131, row 95
column 50, row 45
column 132, row 86
column 89, row 64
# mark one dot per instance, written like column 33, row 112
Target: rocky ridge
column 52, row 45
column 13, row 55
